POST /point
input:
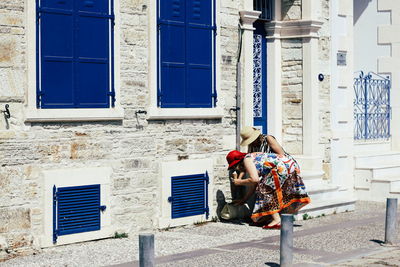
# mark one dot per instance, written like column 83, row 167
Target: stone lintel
column 293, row 29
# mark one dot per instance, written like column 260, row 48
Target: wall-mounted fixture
column 6, row 112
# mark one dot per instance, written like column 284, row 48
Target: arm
column 252, row 172
column 275, row 146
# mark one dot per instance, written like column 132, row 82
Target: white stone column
column 389, row 34
column 311, row 131
column 342, row 95
column 274, row 79
column 247, row 19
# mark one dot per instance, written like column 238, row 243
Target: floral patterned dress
column 280, row 186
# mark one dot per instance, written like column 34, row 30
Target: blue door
column 260, row 78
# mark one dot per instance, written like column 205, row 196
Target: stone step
column 363, row 160
column 375, row 171
column 378, row 189
column 321, row 208
column 322, row 191
column 377, row 193
column 311, row 175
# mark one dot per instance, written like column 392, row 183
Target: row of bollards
column 146, row 241
column 286, row 245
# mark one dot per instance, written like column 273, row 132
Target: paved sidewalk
column 346, row 239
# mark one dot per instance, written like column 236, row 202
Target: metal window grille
column 266, row 7
column 372, row 108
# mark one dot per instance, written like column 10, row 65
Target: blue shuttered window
column 189, row 195
column 186, row 54
column 74, row 54
column 76, row 209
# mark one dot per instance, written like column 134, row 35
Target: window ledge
column 184, row 113
column 48, row 115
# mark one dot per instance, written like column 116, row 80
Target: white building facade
column 120, row 112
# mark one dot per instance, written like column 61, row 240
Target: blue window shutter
column 56, row 54
column 75, row 60
column 172, row 63
column 189, row 195
column 92, row 54
column 199, row 46
column 185, row 41
column 76, row 209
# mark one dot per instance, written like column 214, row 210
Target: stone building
column 122, row 111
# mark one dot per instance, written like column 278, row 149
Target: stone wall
column 292, row 95
column 291, row 9
column 133, row 147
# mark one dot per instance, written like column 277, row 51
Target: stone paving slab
column 324, row 241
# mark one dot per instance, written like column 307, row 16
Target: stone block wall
column 291, row 9
column 292, row 95
column 133, row 147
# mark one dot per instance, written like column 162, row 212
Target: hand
column 236, row 181
column 234, row 176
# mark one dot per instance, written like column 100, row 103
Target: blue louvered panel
column 77, row 209
column 172, row 58
column 92, row 54
column 75, row 47
column 189, row 195
column 186, row 54
column 199, row 53
column 56, row 66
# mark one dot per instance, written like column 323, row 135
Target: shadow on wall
column 286, row 4
column 359, row 7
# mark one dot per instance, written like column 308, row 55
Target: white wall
column 366, row 47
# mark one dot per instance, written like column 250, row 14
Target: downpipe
column 238, row 88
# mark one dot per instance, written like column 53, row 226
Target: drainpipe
column 238, row 88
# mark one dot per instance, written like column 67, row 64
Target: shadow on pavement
column 272, row 264
column 379, row 242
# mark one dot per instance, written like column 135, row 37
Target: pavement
column 346, row 239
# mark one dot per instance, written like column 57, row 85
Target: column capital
column 293, row 29
column 247, row 18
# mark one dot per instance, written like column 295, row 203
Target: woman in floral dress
column 274, row 178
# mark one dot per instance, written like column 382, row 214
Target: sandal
column 275, row 226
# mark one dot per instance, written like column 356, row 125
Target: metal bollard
column 146, row 250
column 286, row 246
column 391, row 221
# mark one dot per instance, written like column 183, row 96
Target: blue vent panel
column 189, row 195
column 76, row 209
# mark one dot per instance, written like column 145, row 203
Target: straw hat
column 249, row 134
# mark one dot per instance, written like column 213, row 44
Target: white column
column 310, row 98
column 310, row 85
column 389, row 34
column 247, row 18
column 274, row 88
column 274, row 80
column 342, row 95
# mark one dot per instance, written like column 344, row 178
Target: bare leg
column 276, row 219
